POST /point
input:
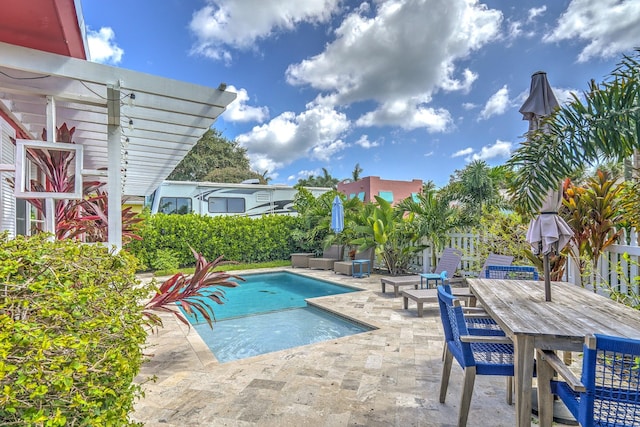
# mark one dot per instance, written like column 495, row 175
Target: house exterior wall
column 367, row 188
column 7, row 197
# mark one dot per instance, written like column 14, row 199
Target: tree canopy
column 326, row 180
column 603, row 126
column 215, row 158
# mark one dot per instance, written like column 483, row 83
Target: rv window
column 175, row 205
column 226, row 205
column 235, row 205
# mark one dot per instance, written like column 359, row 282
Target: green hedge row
column 237, row 238
column 71, row 333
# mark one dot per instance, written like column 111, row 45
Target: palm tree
column 435, row 217
column 357, row 170
column 264, row 177
column 605, row 125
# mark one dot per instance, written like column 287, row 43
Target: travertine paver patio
column 386, row 377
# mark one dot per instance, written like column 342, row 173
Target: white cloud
column 315, row 133
column 496, row 105
column 427, row 44
column 564, row 95
column 499, row 149
column 534, row 12
column 469, row 105
column 608, row 26
column 239, row 111
column 515, row 29
column 304, row 174
column 103, row 47
column 239, row 24
column 429, row 154
column 409, row 115
column 364, row 142
column 463, row 152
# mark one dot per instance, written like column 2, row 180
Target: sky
column 405, row 88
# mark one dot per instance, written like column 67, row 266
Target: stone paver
column 386, row 377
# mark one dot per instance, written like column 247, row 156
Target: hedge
column 237, row 238
column 71, row 334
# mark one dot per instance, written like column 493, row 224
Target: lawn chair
column 449, row 262
column 608, row 393
column 476, row 354
column 330, row 256
column 492, row 259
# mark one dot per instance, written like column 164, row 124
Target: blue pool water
column 268, row 313
column 265, row 292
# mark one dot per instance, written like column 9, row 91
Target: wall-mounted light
column 222, row 87
column 132, row 99
column 130, row 124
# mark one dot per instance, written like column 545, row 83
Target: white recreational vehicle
column 210, row 198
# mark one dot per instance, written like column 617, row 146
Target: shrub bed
column 237, row 238
column 71, row 334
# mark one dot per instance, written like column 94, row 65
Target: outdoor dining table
column 519, row 307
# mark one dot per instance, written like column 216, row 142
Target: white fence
column 618, row 267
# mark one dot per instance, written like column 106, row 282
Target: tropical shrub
column 237, row 238
column 72, row 328
column 594, row 211
column 392, row 233
column 71, row 333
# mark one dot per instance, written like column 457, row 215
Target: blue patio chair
column 511, row 272
column 476, row 354
column 478, row 322
column 608, row 393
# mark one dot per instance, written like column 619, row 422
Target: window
column 175, row 205
column 226, row 205
column 414, row 197
column 361, row 196
column 386, row 195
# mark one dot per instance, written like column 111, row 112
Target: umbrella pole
column 547, row 278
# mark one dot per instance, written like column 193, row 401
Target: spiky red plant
column 187, row 291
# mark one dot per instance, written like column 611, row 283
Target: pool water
column 249, row 336
column 265, row 292
column 268, row 313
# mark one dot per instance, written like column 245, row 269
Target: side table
column 359, row 271
column 426, row 277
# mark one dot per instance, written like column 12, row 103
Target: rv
column 216, row 199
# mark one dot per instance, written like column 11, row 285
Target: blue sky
column 406, row 88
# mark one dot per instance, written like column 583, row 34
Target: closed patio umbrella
column 547, row 232
column 337, row 215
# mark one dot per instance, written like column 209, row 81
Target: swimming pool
column 268, row 313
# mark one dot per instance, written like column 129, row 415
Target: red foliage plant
column 189, row 293
column 75, row 219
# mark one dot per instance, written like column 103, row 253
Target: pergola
column 134, row 128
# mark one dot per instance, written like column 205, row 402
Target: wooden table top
column 560, row 324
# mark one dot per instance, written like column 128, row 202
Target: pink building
column 393, row 191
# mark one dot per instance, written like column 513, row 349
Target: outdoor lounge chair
column 492, row 259
column 346, row 267
column 300, row 260
column 449, row 261
column 329, row 256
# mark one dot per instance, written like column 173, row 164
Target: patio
column 387, row 377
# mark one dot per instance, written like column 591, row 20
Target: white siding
column 7, row 198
